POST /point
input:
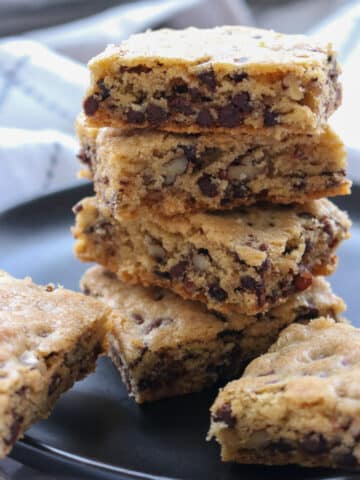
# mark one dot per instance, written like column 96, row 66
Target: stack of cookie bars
column 211, row 157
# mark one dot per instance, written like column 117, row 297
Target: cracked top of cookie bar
column 247, row 230
column 38, row 321
column 225, row 48
column 307, row 364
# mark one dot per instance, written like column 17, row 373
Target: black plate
column 95, row 429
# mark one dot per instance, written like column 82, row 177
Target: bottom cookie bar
column 164, row 345
column 49, row 338
column 299, row 403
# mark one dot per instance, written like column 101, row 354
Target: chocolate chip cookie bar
column 164, row 345
column 177, row 173
column 226, row 77
column 247, row 260
column 299, row 403
column 49, row 338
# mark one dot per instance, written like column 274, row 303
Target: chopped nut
column 175, row 167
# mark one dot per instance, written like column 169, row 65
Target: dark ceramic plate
column 95, row 431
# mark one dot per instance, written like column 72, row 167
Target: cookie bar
column 226, row 77
column 178, row 173
column 49, row 338
column 247, row 260
column 299, row 403
column 165, row 346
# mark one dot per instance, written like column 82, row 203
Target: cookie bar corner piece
column 297, row 404
column 50, row 337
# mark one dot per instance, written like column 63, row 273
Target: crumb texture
column 247, row 260
column 177, row 173
column 49, row 338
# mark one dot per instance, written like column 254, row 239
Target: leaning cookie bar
column 165, row 346
column 49, row 338
column 299, row 403
column 226, row 77
column 247, row 260
column 178, row 173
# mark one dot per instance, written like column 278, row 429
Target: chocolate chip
column 134, row 116
column 203, row 251
column 155, row 114
column 204, row 118
column 137, row 69
column 306, row 313
column 218, row 315
column 190, row 153
column 314, row 443
column 104, row 90
column 180, row 104
column 207, row 187
column 165, row 275
column 125, row 375
column 14, row 430
column 239, row 190
column 308, row 245
column 303, row 281
column 242, row 102
column 208, row 78
column 229, row 116
column 110, row 275
column 84, row 157
column 218, row 293
column 178, row 270
column 161, row 321
column 54, row 384
column 138, row 318
column 270, row 117
column 157, row 294
column 195, row 94
column 306, row 215
column 239, row 77
column 264, row 266
column 327, row 227
column 90, row 105
column 249, row 283
column 224, row 414
column 86, row 290
column 78, row 207
column 180, row 86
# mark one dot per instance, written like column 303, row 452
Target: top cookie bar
column 227, row 77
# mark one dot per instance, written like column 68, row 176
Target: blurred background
column 44, row 47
